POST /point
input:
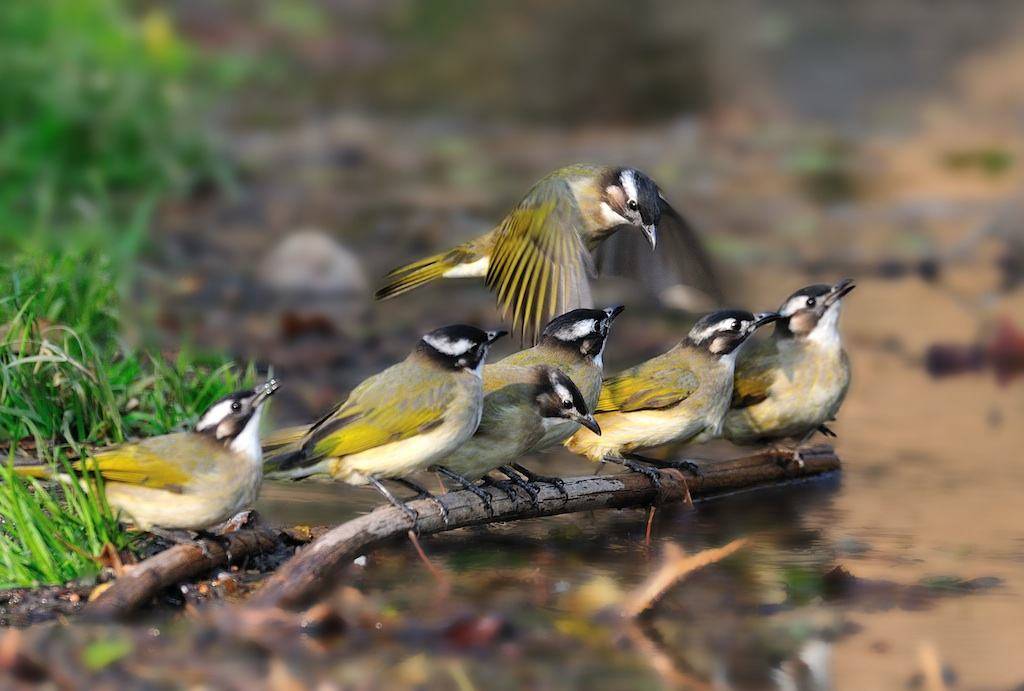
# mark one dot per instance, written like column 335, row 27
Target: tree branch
column 143, row 581
column 313, row 568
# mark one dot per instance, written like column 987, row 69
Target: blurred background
column 201, row 192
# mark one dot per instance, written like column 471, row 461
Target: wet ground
column 907, row 568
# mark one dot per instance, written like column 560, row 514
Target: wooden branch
column 143, row 581
column 313, row 569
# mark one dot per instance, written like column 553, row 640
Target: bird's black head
column 235, row 418
column 630, row 197
column 721, row 333
column 558, row 398
column 583, row 331
column 458, row 347
column 813, row 309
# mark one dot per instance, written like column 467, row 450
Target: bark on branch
column 178, row 564
column 313, row 568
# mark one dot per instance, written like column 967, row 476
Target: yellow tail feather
column 418, row 273
column 39, row 472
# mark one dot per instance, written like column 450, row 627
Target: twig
column 675, row 567
column 315, row 567
column 650, row 524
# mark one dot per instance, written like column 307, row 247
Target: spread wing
column 539, row 265
column 168, row 462
column 399, row 403
column 652, row 385
column 754, row 373
column 674, row 271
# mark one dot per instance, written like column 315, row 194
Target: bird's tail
column 418, row 273
column 40, row 471
column 284, row 439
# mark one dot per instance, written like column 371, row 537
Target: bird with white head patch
column 792, row 385
column 397, row 422
column 538, row 258
column 518, row 401
column 573, row 342
column 680, row 396
column 188, row 480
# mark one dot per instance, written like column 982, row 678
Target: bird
column 574, row 342
column 792, row 385
column 680, row 396
column 518, row 401
column 538, row 259
column 186, row 481
column 399, row 421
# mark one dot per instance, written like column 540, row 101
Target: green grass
column 101, row 118
column 53, row 535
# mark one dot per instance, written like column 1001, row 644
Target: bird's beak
column 493, row 336
column 265, row 391
column 839, row 291
column 651, row 233
column 613, row 312
column 588, row 421
column 762, row 318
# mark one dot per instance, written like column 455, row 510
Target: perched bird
column 517, row 402
column 538, row 258
column 679, row 396
column 573, row 342
column 399, row 421
column 187, row 480
column 791, row 385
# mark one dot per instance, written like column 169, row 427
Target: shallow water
column 927, row 512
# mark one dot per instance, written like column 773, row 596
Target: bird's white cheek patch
column 214, row 415
column 610, row 217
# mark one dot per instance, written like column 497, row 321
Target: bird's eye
column 632, row 205
column 811, row 302
column 567, row 404
column 236, row 406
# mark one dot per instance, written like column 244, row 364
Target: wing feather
column 394, row 405
column 655, row 384
column 755, row 368
column 539, row 258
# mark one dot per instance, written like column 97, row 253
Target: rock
column 310, row 261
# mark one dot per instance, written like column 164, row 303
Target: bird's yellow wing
column 539, row 264
column 168, row 462
column 657, row 383
column 399, row 403
column 755, row 369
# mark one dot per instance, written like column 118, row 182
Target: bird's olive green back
column 501, row 375
column 755, row 372
column 404, row 400
column 167, row 462
column 539, row 263
column 661, row 382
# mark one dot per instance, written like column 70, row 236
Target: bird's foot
column 242, row 519
column 409, row 512
column 467, row 484
column 689, row 466
column 424, row 493
column 504, row 485
column 535, row 478
column 798, row 458
column 531, row 490
column 827, row 431
column 787, row 457
column 197, row 538
column 652, row 474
